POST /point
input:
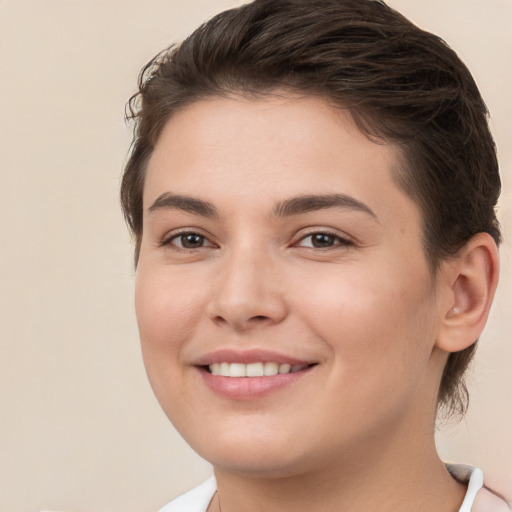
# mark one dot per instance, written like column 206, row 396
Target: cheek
column 165, row 309
column 378, row 327
column 166, row 319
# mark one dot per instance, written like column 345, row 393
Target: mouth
column 257, row 369
column 250, row 381
column 251, row 374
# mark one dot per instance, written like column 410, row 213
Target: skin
column 364, row 307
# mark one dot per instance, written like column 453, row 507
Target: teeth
column 285, row 368
column 237, row 370
column 254, row 369
column 223, row 369
column 270, row 369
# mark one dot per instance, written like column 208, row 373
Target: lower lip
column 250, row 388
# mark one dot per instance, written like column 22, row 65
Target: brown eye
column 192, row 241
column 322, row 240
column 189, row 241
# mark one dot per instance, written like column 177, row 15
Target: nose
column 248, row 291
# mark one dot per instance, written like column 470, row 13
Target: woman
column 312, row 189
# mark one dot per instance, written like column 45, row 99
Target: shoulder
column 489, row 501
column 196, row 500
column 479, row 498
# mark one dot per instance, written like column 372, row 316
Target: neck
column 391, row 477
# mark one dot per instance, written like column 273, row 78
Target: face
column 286, row 309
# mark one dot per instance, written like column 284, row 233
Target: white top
column 478, row 497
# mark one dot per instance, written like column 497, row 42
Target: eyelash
column 337, row 240
column 169, row 241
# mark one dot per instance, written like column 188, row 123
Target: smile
column 268, row 369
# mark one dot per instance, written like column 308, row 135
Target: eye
column 189, row 241
column 323, row 240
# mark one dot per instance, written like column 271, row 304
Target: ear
column 471, row 280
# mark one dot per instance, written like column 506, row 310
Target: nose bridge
column 248, row 290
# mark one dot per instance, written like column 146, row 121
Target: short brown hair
column 400, row 83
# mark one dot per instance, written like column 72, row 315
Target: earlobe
column 472, row 280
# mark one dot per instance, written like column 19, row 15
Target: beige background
column 79, row 428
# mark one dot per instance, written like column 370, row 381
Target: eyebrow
column 287, row 208
column 168, row 201
column 310, row 203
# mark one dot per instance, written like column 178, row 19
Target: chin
column 260, row 453
column 268, row 465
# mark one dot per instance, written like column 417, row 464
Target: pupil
column 322, row 240
column 191, row 241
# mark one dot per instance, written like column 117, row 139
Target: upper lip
column 247, row 357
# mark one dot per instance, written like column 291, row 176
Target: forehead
column 278, row 145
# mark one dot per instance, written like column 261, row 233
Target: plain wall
column 80, row 430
